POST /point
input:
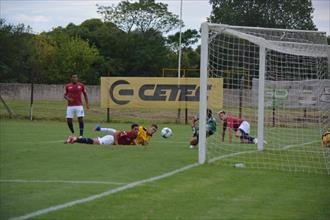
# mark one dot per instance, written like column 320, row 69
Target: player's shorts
column 108, row 139
column 75, row 110
column 245, row 126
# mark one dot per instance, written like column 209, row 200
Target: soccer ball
column 166, row 132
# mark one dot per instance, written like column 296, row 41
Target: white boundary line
column 62, row 141
column 59, row 181
column 230, row 155
column 293, row 145
column 129, row 186
column 106, row 193
column 38, row 142
column 172, row 142
column 253, row 151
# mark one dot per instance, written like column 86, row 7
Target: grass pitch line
column 253, row 151
column 60, row 181
column 38, row 142
column 130, row 185
column 172, row 142
column 294, row 145
column 97, row 196
column 230, row 155
column 119, row 189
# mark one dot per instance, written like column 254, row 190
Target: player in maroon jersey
column 240, row 126
column 72, row 94
column 118, row 138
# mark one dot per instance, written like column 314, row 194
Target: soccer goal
column 278, row 81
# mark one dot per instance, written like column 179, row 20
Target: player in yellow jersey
column 145, row 134
column 326, row 138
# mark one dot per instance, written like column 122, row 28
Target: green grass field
column 39, row 172
column 287, row 149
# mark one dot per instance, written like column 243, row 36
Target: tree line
column 130, row 40
column 92, row 49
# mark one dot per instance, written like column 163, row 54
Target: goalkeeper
column 143, row 137
column 211, row 127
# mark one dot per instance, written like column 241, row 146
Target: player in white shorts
column 240, row 126
column 117, row 138
column 73, row 92
column 107, row 139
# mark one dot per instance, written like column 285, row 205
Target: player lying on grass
column 240, row 126
column 143, row 137
column 117, row 138
column 211, row 127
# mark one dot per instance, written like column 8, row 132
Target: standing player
column 240, row 126
column 143, row 137
column 117, row 138
column 211, row 127
column 72, row 94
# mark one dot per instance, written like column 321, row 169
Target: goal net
column 278, row 82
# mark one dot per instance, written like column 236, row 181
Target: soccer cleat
column 97, row 127
column 73, row 139
column 67, row 140
column 255, row 141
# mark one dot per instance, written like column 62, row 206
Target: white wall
column 21, row 91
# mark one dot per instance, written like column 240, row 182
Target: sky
column 44, row 15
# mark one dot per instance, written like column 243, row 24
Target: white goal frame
column 263, row 44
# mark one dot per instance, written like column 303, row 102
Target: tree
column 15, row 52
column 79, row 57
column 105, row 36
column 57, row 56
column 288, row 14
column 188, row 38
column 143, row 16
column 143, row 54
column 127, row 54
column 190, row 57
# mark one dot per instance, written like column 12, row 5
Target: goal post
column 277, row 81
column 203, row 94
column 261, row 101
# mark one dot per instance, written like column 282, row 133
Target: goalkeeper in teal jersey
column 211, row 127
